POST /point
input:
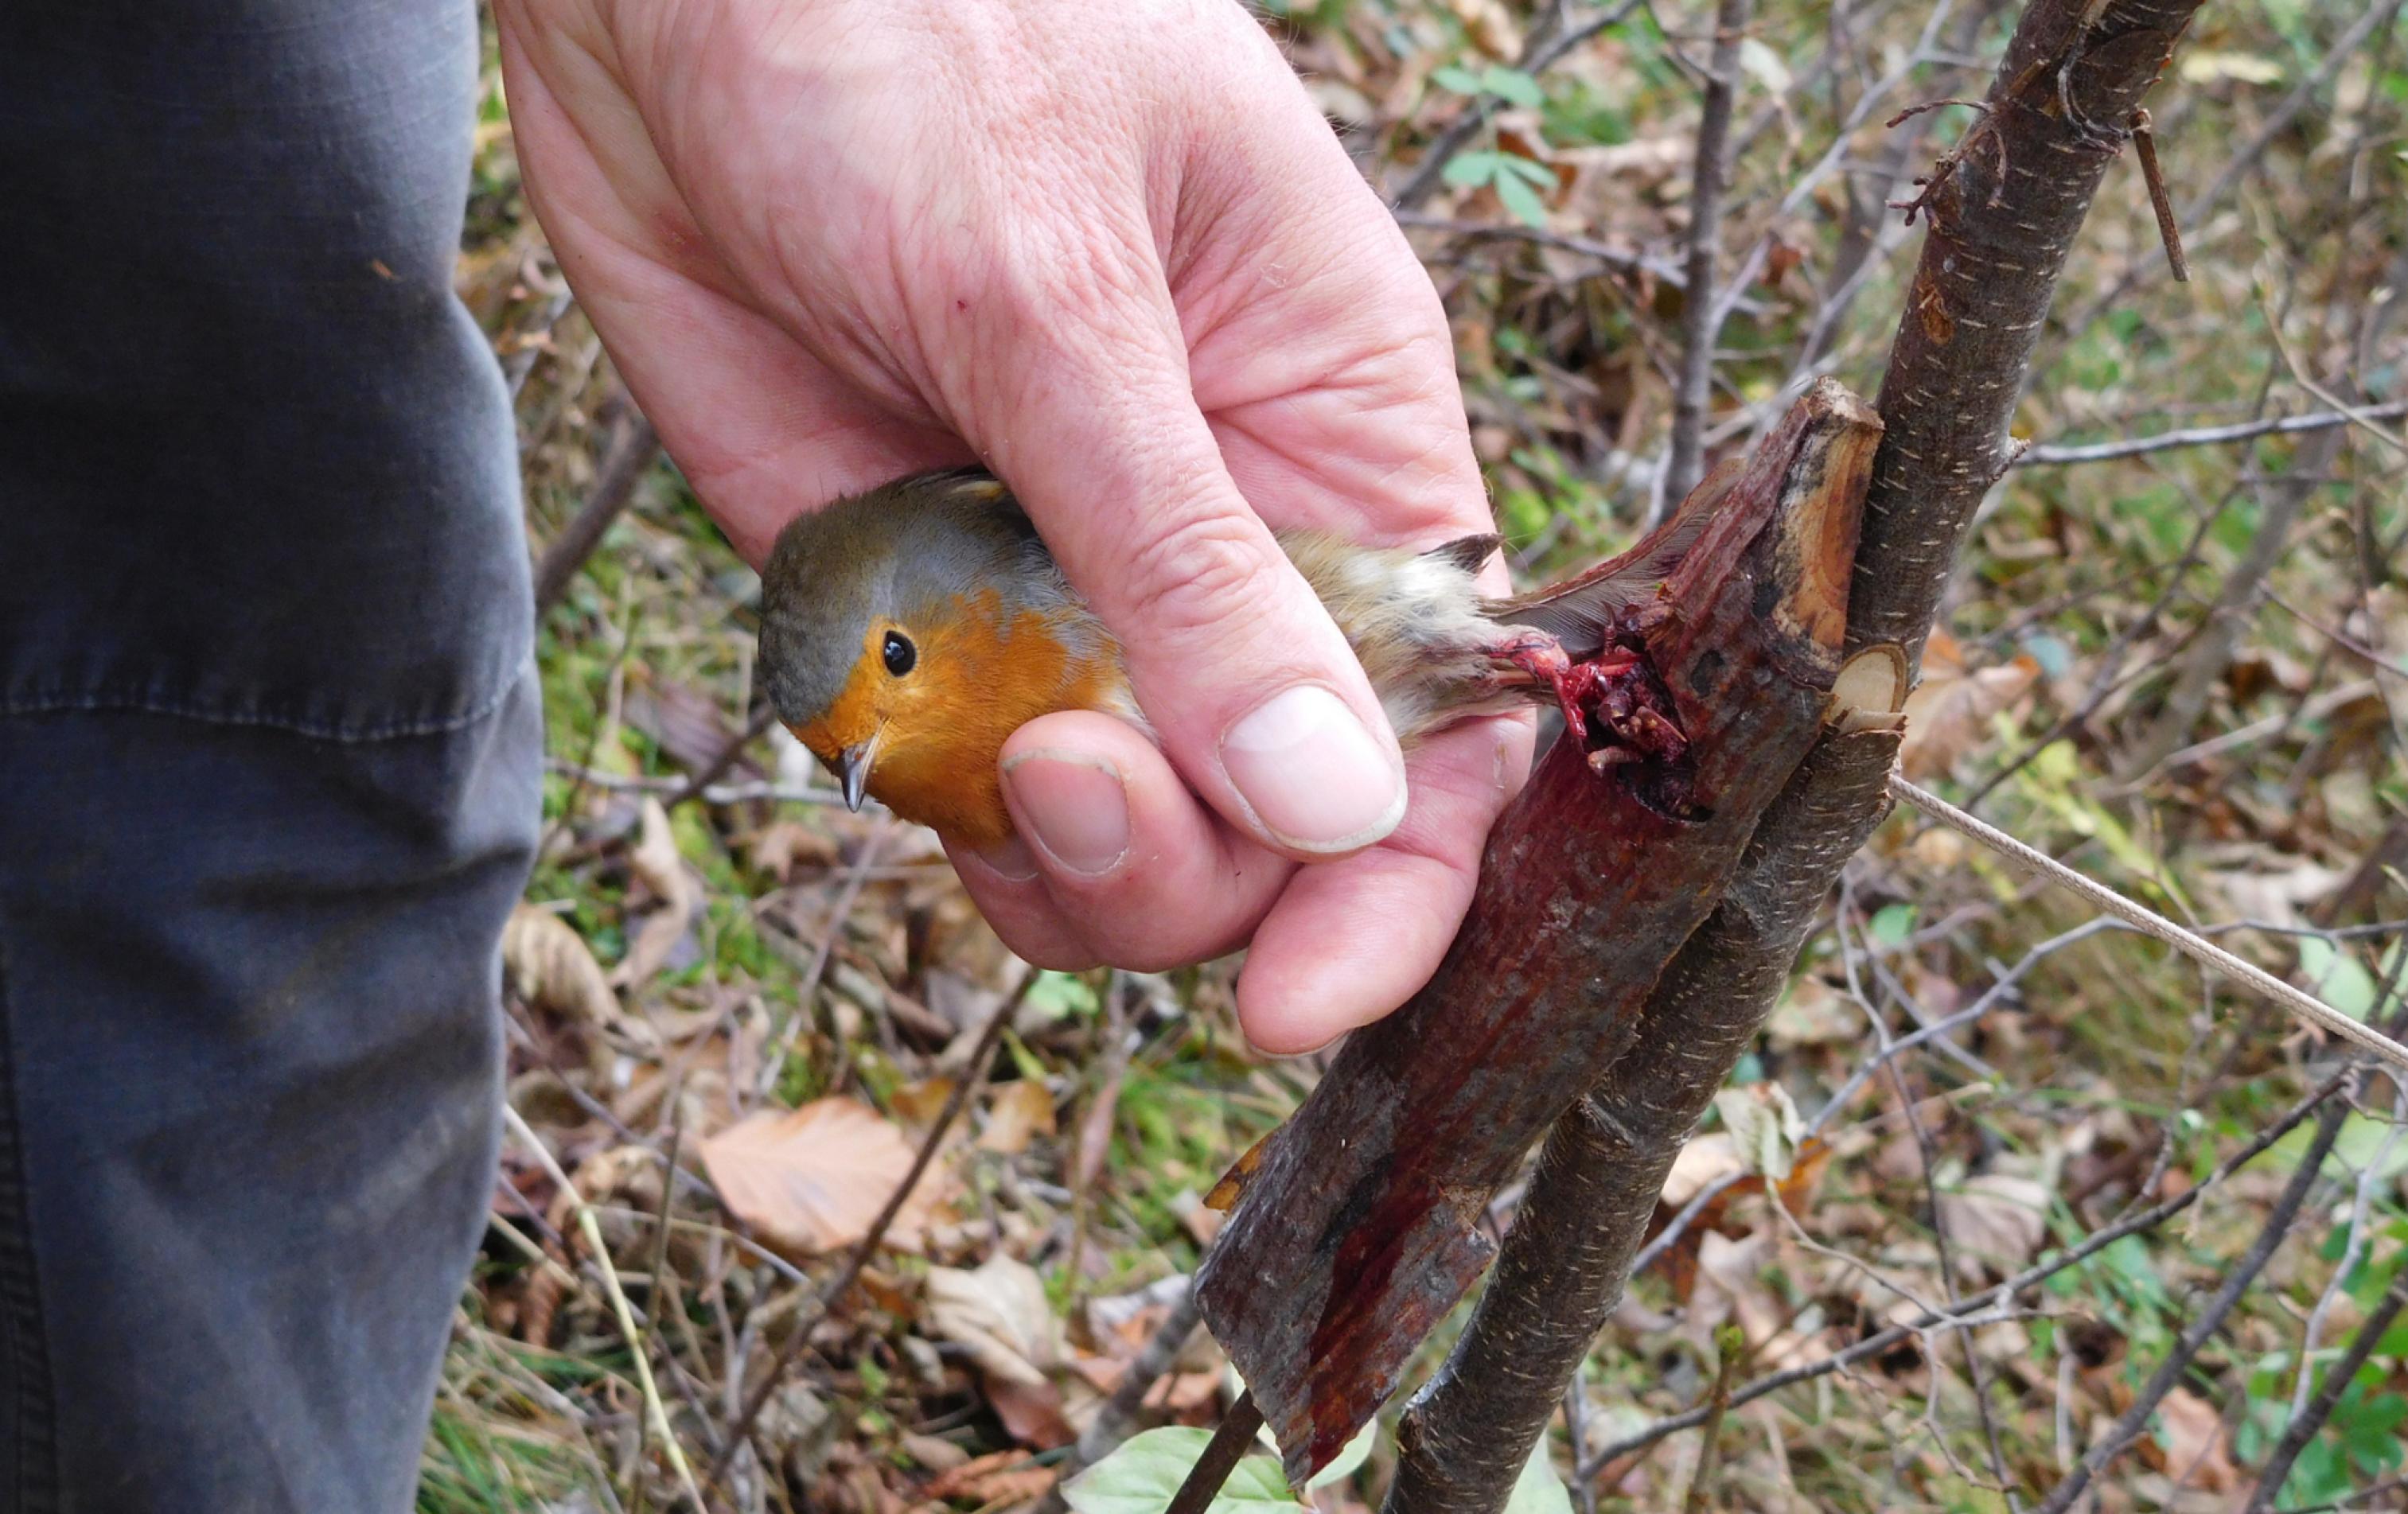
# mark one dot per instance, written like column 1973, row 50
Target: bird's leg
column 1543, row 658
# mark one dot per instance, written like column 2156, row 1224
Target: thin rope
column 2198, row 948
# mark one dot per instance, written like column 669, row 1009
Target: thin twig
column 1222, row 1453
column 2210, row 1319
column 808, row 1318
column 1118, row 1418
column 712, row 771
column 633, row 446
column 2046, row 456
column 1686, row 456
column 716, row 794
column 653, row 1303
column 2031, row 1277
column 2190, row 943
column 591, row 1230
column 2306, row 1423
column 2145, row 142
column 1731, row 1342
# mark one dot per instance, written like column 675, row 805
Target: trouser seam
column 32, row 1413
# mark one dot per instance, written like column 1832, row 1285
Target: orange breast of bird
column 985, row 669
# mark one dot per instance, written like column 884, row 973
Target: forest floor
column 2179, row 670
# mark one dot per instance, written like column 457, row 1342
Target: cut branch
column 1361, row 1223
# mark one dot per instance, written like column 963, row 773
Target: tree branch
column 1998, row 241
column 1685, row 463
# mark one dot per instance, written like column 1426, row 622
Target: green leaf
column 1461, row 80
column 1512, row 86
column 2337, row 976
column 1471, row 168
column 1893, row 924
column 1517, row 196
column 1539, row 174
column 1538, row 1490
column 1342, row 1466
column 1062, row 995
column 1144, row 1474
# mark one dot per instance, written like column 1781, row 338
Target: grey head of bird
column 856, row 595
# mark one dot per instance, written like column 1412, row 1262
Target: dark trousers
column 269, row 748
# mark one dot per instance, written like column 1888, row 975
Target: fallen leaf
column 1032, row 1413
column 1996, row 1220
column 1019, row 1113
column 1733, row 1284
column 2206, row 66
column 921, row 1101
column 1765, row 1126
column 1709, row 1158
column 999, row 1314
column 2190, row 1433
column 934, row 1452
column 551, row 967
column 781, row 846
column 1949, row 713
column 658, row 863
column 998, row 1477
column 815, row 1179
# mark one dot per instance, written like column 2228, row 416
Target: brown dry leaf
column 1949, row 713
column 2189, row 1436
column 1004, row 1476
column 1019, row 1113
column 1709, row 1158
column 551, row 967
column 1732, row 1285
column 1995, row 1220
column 919, row 1102
column 997, row 1313
column 1033, row 1414
column 657, row 862
column 813, row 1178
column 781, row 846
column 1490, row 26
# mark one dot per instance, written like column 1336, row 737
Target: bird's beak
column 853, row 771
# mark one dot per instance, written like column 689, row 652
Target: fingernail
column 1315, row 777
column 1076, row 808
column 1011, row 858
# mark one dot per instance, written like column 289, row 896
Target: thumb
column 1258, row 700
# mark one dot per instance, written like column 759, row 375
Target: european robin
column 907, row 632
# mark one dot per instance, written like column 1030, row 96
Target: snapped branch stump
column 1361, row 1221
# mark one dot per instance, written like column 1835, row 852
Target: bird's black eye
column 900, row 653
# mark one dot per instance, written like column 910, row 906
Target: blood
column 1614, row 703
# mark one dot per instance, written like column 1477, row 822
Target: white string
column 2306, row 1005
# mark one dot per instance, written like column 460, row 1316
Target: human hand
column 1113, row 252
